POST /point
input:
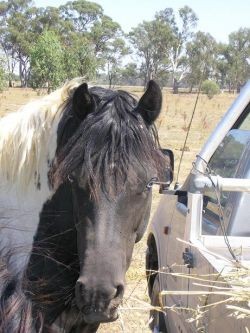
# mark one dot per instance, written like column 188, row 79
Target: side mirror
column 169, row 173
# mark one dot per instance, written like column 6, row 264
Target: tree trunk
column 175, row 86
column 110, row 80
column 238, row 87
column 10, row 73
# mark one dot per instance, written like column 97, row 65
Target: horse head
column 108, row 153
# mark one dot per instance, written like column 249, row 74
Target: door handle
column 182, row 208
column 188, row 258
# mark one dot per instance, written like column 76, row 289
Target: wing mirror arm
column 169, row 176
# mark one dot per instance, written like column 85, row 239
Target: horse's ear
column 83, row 102
column 149, row 106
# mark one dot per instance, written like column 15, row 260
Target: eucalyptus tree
column 79, row 58
column 47, row 61
column 130, row 74
column 113, row 55
column 81, row 13
column 233, row 63
column 151, row 41
column 104, row 31
column 2, row 74
column 17, row 34
column 182, row 32
column 92, row 37
column 222, row 73
column 238, row 54
column 201, row 59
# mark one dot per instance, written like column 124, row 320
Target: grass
column 172, row 126
column 231, row 289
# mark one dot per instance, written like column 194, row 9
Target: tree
column 79, row 58
column 47, row 61
column 2, row 75
column 239, row 57
column 181, row 34
column 151, row 40
column 129, row 74
column 210, row 88
column 85, row 34
column 51, row 18
column 201, row 58
column 222, row 66
column 83, row 14
column 113, row 55
column 233, row 63
column 17, row 34
column 102, row 33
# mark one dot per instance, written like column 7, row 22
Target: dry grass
column 172, row 126
column 231, row 288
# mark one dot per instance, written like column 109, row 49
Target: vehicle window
column 244, row 122
column 229, row 160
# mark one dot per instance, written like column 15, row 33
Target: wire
column 190, row 123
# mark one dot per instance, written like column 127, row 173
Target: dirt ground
column 172, row 126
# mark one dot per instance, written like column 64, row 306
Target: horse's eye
column 151, row 183
column 71, row 178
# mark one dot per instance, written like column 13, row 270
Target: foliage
column 129, row 74
column 233, row 66
column 17, row 34
column 210, row 88
column 151, row 40
column 80, row 24
column 79, row 58
column 82, row 14
column 102, row 33
column 2, row 75
column 181, row 34
column 92, row 43
column 114, row 54
column 47, row 61
column 201, row 55
column 238, row 56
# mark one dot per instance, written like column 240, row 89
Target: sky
column 218, row 17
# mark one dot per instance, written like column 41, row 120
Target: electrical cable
column 189, row 126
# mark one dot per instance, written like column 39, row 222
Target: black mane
column 17, row 314
column 111, row 142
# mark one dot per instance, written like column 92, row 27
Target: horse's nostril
column 80, row 290
column 119, row 290
column 87, row 309
column 79, row 287
column 89, row 297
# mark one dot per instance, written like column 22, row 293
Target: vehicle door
column 224, row 215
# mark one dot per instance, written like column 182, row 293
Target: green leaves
column 78, row 39
column 51, row 44
column 47, row 62
column 2, row 75
column 201, row 58
column 79, row 58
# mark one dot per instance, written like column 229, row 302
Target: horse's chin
column 100, row 317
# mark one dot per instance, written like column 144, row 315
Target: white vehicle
column 202, row 228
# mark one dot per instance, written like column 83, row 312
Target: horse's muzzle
column 98, row 304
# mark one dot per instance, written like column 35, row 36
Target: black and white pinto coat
column 36, row 207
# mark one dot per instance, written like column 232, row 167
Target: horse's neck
column 20, row 207
column 19, row 219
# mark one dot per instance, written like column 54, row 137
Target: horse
column 75, row 196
